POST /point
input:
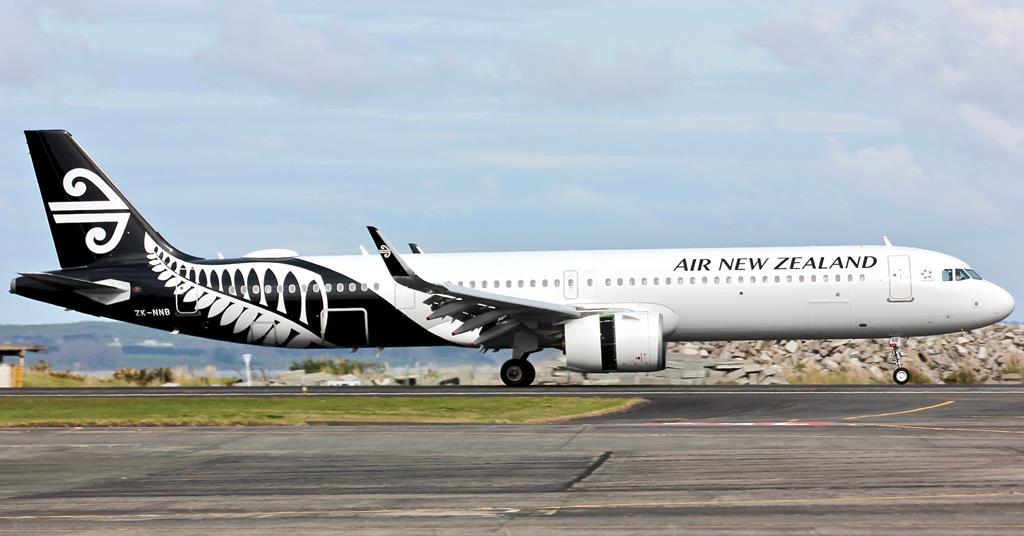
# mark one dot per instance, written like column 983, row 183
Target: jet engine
column 615, row 342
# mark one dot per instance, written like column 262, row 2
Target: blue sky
column 238, row 126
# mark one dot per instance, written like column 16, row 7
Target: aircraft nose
column 1003, row 303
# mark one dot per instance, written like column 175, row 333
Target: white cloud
column 958, row 68
column 574, row 196
column 876, row 168
column 993, row 131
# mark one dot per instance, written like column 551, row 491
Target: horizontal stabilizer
column 107, row 292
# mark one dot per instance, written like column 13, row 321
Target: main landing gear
column 517, row 373
column 900, row 375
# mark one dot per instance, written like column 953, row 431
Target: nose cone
column 1003, row 303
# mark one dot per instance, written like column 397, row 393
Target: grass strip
column 298, row 410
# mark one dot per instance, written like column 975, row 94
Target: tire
column 531, row 373
column 514, row 373
column 901, row 376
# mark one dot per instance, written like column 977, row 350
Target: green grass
column 295, row 411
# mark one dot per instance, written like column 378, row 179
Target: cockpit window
column 961, row 274
column 973, row 274
column 947, row 274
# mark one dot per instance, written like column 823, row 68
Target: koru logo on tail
column 384, row 251
column 113, row 210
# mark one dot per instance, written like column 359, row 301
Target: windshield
column 973, row 274
column 961, row 274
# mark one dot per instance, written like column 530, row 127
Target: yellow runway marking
column 915, row 410
column 939, row 428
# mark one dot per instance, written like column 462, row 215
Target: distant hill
column 104, row 346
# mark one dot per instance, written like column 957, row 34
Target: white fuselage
column 718, row 294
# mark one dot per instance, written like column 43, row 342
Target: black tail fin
column 90, row 220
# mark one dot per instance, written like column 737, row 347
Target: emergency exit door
column 570, row 285
column 899, row 278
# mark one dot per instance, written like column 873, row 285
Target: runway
column 706, row 460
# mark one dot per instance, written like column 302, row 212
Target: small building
column 13, row 375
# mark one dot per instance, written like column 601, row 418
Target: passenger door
column 899, row 278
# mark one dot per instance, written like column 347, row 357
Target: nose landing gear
column 901, row 375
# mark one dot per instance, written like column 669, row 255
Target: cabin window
column 544, row 282
column 728, row 279
column 643, row 281
column 291, row 288
column 231, row 290
column 608, row 282
column 849, row 278
column 824, row 278
column 789, row 279
column 801, row 279
column 693, row 280
column 632, row 281
column 655, row 281
column 619, row 281
column 739, row 279
column 328, row 287
column 497, row 284
column 352, row 287
column 483, row 284
column 813, row 278
column 590, row 282
column 764, row 279
column 376, row 286
column 520, row 283
column 777, row 278
column 668, row 281
column 704, row 280
column 862, row 277
column 533, row 282
column 557, row 282
column 508, row 283
column 255, row 289
column 716, row 280
column 472, row 284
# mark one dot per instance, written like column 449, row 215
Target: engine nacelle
column 615, row 342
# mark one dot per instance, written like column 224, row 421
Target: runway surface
column 819, row 460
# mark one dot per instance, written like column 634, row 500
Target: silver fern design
column 236, row 295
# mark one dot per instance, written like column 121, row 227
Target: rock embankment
column 994, row 354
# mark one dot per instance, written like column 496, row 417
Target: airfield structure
column 14, row 375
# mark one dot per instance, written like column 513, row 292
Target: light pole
column 248, row 375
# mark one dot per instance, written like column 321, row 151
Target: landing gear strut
column 901, row 375
column 517, row 373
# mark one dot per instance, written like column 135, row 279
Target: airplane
column 607, row 311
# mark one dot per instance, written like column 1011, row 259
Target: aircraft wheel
column 517, row 373
column 531, row 373
column 901, row 376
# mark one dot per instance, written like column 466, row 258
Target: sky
column 531, row 125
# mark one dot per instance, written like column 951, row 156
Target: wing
column 499, row 315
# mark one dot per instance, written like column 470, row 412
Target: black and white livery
column 608, row 311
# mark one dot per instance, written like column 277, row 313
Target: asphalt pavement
column 815, row 460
